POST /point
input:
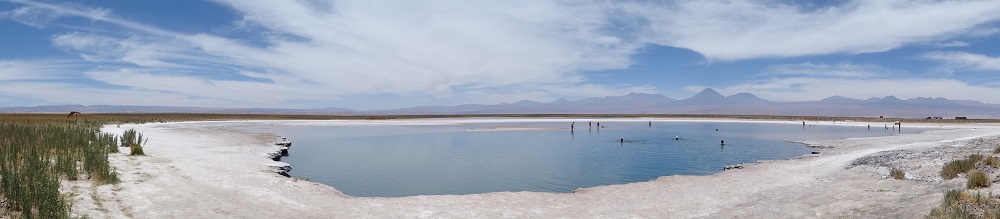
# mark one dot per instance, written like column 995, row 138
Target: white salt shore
column 207, row 170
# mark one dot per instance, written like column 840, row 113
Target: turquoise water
column 408, row 160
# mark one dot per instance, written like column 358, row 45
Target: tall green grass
column 134, row 141
column 36, row 156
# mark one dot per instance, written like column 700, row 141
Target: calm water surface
column 407, row 160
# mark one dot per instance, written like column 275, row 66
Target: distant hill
column 708, row 101
column 168, row 109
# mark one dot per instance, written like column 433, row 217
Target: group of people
column 622, row 140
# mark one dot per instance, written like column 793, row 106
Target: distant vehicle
column 960, row 117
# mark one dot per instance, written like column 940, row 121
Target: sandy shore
column 205, row 170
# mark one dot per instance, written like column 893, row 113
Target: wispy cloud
column 735, row 30
column 954, row 43
column 473, row 50
column 34, row 69
column 809, row 82
column 31, row 16
column 964, row 60
column 841, row 70
column 62, row 93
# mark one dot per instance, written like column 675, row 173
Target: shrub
column 897, row 174
column 949, row 207
column 136, row 150
column 996, row 150
column 960, row 204
column 992, row 161
column 977, row 179
column 972, row 157
column 955, row 167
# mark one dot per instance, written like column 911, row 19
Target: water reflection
column 534, row 156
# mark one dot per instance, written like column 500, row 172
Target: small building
column 960, row 117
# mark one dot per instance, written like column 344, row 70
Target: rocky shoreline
column 281, row 150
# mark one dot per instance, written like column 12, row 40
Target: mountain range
column 707, row 101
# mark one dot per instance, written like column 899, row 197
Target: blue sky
column 392, row 54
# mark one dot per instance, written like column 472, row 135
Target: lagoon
column 493, row 155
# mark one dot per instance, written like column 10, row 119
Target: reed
column 37, row 154
column 134, row 141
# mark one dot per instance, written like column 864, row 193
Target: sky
column 392, row 54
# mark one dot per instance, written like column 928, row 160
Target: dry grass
column 955, row 167
column 961, row 204
column 992, row 162
column 897, row 174
column 977, row 179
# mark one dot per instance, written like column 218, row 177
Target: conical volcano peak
column 708, row 93
column 707, row 96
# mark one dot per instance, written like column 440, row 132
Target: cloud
column 480, row 51
column 738, row 30
column 407, row 47
column 964, row 60
column 954, row 43
column 358, row 48
column 841, row 70
column 31, row 16
column 34, row 69
column 63, row 93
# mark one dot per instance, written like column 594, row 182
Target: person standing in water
column 650, row 123
column 723, row 142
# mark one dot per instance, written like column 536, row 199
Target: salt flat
column 208, row 170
